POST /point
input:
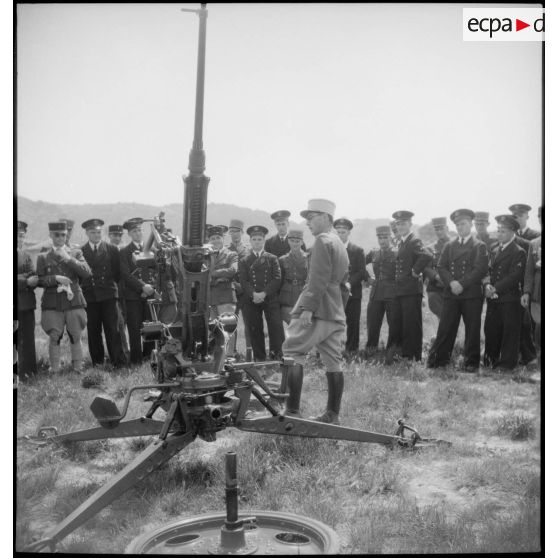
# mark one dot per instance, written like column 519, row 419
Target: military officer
column 70, row 227
column 395, row 238
column 412, row 258
column 260, row 278
column 278, row 244
column 101, row 292
column 318, row 318
column 222, row 297
column 63, row 304
column 382, row 290
column 521, row 213
column 481, row 222
column 27, row 280
column 462, row 266
column 115, row 233
column 503, row 288
column 137, row 288
column 357, row 274
column 236, row 230
column 294, row 270
column 435, row 286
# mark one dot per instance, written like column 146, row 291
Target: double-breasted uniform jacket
column 261, row 274
column 533, row 271
column 25, row 293
column 224, row 270
column 328, row 268
column 274, row 245
column 133, row 281
column 411, row 257
column 383, row 263
column 105, row 272
column 467, row 264
column 431, row 270
column 242, row 251
column 357, row 269
column 49, row 264
column 528, row 234
column 506, row 272
column 294, row 271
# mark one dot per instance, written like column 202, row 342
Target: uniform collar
column 504, row 246
column 404, row 238
column 92, row 246
column 465, row 239
column 257, row 254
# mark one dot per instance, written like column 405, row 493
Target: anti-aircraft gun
column 199, row 389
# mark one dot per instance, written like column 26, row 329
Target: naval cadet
column 503, row 288
column 294, row 270
column 278, row 244
column 434, row 284
column 101, row 293
column 137, row 288
column 27, row 280
column 521, row 213
column 222, row 297
column 382, row 290
column 63, row 304
column 412, row 258
column 260, row 277
column 357, row 274
column 462, row 266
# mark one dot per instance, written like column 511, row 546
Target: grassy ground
column 480, row 495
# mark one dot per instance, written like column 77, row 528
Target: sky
column 377, row 107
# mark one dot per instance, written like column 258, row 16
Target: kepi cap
column 509, row 221
column 92, row 224
column 69, row 222
column 462, row 213
column 236, row 224
column 22, row 226
column 519, row 208
column 319, row 205
column 116, row 229
column 295, row 233
column 482, row 216
column 343, row 222
column 403, row 215
column 256, row 229
column 281, row 214
column 383, row 230
column 58, row 226
column 439, row 221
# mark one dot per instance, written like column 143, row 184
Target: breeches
column 53, row 323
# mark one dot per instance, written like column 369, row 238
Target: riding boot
column 54, row 357
column 77, row 356
column 335, row 384
column 294, row 382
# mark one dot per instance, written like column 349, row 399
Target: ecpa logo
column 503, row 24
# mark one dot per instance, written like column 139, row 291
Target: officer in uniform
column 395, row 238
column 503, row 289
column 137, row 288
column 101, row 292
column 222, row 297
column 278, row 244
column 412, row 258
column 260, row 278
column 434, row 285
column 63, row 304
column 382, row 291
column 27, row 280
column 294, row 270
column 481, row 222
column 357, row 274
column 462, row 266
column 70, row 228
column 521, row 213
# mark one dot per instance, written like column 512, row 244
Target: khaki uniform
column 294, row 270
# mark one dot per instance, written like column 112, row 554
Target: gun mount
column 200, row 390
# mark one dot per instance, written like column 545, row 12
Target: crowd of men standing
column 99, row 286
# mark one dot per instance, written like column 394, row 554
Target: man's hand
column 62, row 253
column 525, row 300
column 63, row 280
column 32, row 281
column 258, row 298
column 306, row 318
column 415, row 275
column 148, row 289
column 456, row 287
column 489, row 291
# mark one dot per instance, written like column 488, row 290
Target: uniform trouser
column 374, row 317
column 407, row 316
column 286, row 314
column 453, row 310
column 325, row 335
column 121, row 308
column 536, row 315
column 137, row 312
column 238, row 311
column 502, row 328
column 435, row 303
column 527, row 349
column 103, row 315
column 53, row 322
column 26, row 359
column 253, row 316
column 352, row 313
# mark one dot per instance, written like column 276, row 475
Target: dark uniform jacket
column 222, row 274
column 357, row 269
column 261, row 274
column 274, row 245
column 49, row 264
column 467, row 264
column 533, row 271
column 528, row 234
column 132, row 280
column 431, row 270
column 25, row 294
column 412, row 256
column 294, row 270
column 105, row 272
column 242, row 250
column 488, row 239
column 383, row 263
column 506, row 272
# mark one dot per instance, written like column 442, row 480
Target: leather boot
column 77, row 356
column 294, row 382
column 335, row 385
column 54, row 358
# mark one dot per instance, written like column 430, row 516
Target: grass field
column 480, row 495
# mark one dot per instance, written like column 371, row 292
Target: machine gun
column 200, row 390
